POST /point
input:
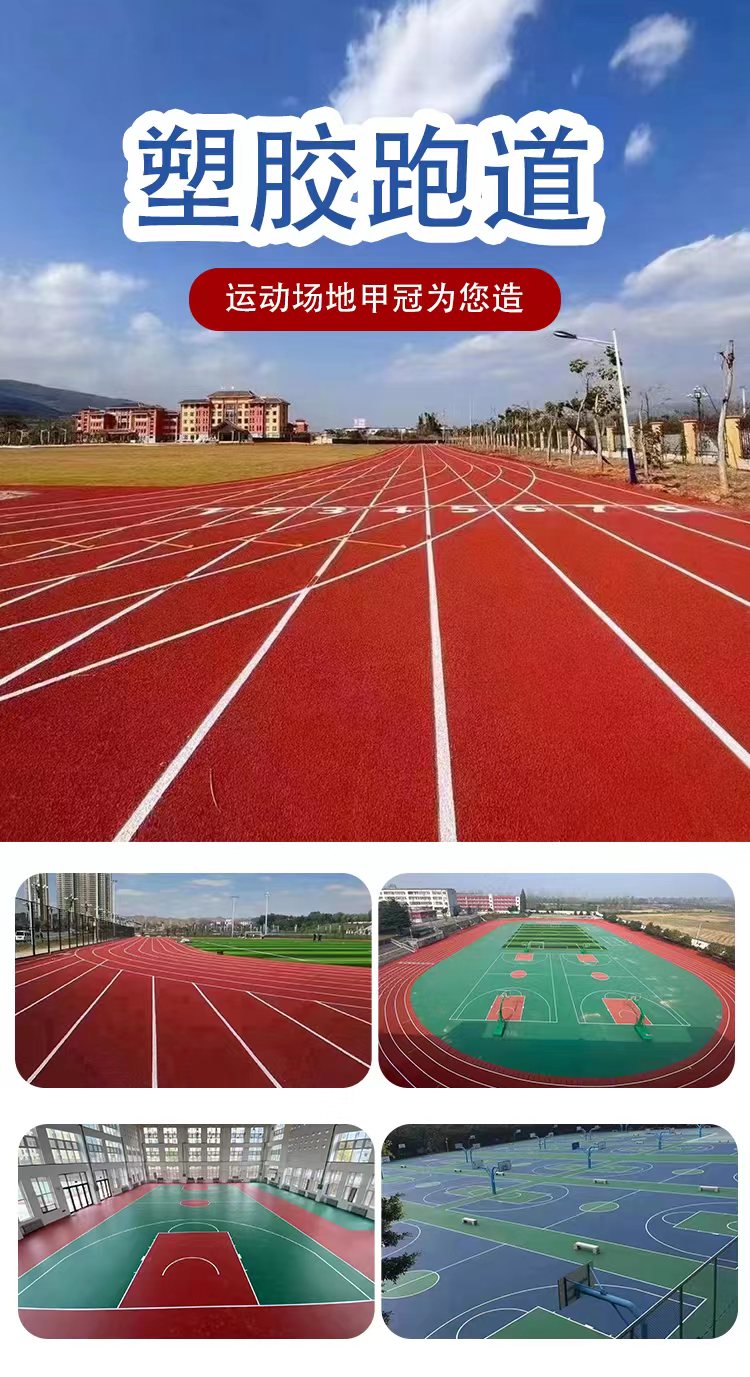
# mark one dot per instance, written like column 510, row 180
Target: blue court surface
column 650, row 1209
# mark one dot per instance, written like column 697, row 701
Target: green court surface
column 708, row 1222
column 544, row 1324
column 561, row 999
column 332, row 951
column 622, row 1260
column 283, row 1265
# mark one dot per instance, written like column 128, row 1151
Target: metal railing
column 702, row 1306
column 44, row 928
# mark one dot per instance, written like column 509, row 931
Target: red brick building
column 127, row 425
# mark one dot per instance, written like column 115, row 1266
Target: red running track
column 148, row 1011
column 412, row 1056
column 427, row 643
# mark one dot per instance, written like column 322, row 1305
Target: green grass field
column 166, row 466
column 332, row 951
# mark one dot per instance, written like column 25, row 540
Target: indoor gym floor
column 200, row 1261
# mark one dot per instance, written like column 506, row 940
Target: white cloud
column 653, row 47
column 210, row 882
column 442, row 53
column 576, row 77
column 70, row 325
column 640, row 145
column 671, row 317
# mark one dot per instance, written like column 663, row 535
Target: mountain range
column 49, row 403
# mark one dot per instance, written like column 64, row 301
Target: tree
column 391, row 1211
column 523, row 901
column 428, row 424
column 727, row 369
column 393, row 917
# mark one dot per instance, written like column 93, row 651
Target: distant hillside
column 48, row 403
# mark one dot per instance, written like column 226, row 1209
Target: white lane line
column 150, row 597
column 231, row 616
column 154, row 1045
column 307, row 1028
column 367, row 1022
column 722, row 735
column 167, row 777
column 443, row 768
column 57, row 989
column 236, row 1035
column 64, row 1039
column 643, row 550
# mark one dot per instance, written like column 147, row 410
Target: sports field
column 640, row 1203
column 419, row 644
column 200, row 1261
column 524, row 1002
column 165, row 465
column 332, row 951
column 149, row 1011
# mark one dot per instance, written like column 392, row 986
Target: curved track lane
column 149, row 1011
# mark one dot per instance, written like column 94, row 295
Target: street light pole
column 587, row 339
column 234, row 898
column 265, row 927
column 632, row 475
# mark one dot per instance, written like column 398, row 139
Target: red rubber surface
column 187, row 1269
column 411, row 1056
column 343, row 1321
column 353, row 1245
column 593, row 641
column 44, row 1242
column 148, row 1011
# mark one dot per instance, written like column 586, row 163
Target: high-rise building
column 90, row 895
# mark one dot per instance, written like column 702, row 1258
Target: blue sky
column 583, row 886
column 210, row 896
column 118, row 321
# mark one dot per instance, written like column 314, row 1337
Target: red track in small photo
column 412, row 1056
column 427, row 643
column 148, row 1011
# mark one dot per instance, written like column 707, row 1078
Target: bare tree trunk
column 727, row 364
column 644, row 450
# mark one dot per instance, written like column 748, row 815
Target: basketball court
column 568, row 1000
column 201, row 1261
column 587, row 1236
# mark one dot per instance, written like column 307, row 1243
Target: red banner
column 377, row 299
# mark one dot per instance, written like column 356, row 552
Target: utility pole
column 234, row 898
column 265, row 926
